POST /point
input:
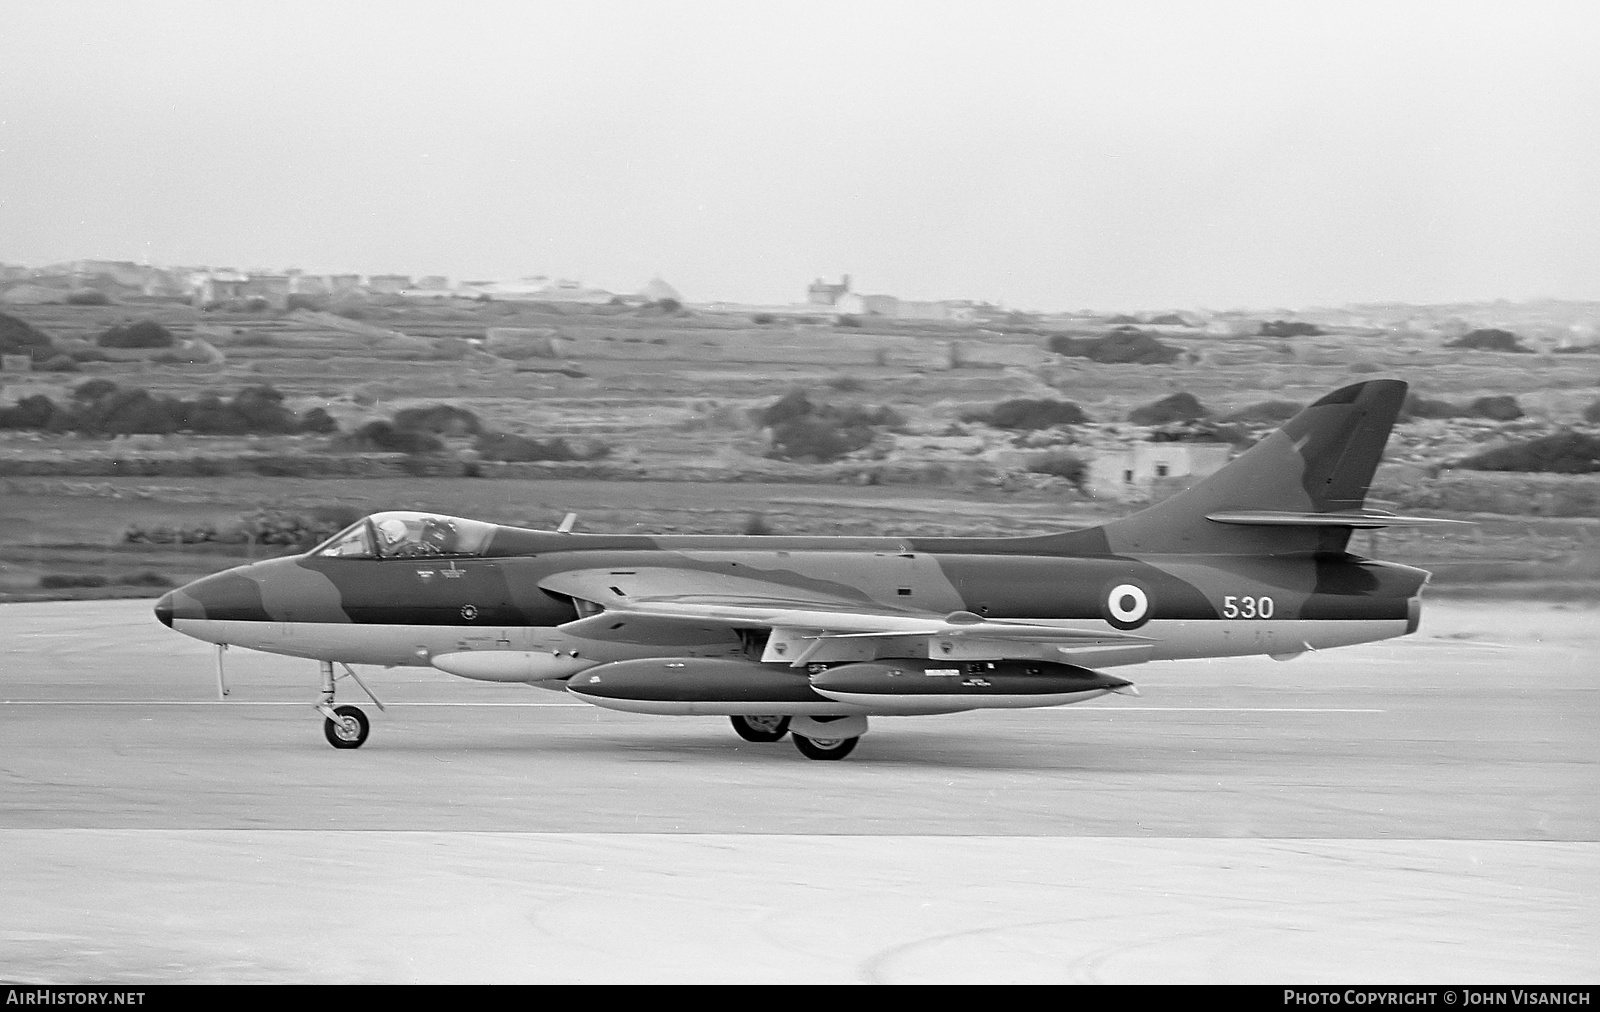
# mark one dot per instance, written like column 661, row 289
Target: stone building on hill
column 820, row 293
column 1146, row 471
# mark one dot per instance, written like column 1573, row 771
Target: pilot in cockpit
column 417, row 538
column 392, row 536
column 438, row 537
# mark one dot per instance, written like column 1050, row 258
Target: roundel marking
column 1127, row 606
column 469, row 612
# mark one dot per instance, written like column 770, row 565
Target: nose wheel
column 343, row 726
column 347, row 728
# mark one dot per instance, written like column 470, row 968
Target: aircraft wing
column 812, row 625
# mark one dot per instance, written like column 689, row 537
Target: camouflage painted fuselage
column 406, row 611
column 1253, row 560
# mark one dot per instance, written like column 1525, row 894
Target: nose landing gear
column 344, row 726
column 347, row 728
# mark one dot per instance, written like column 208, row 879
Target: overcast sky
column 1124, row 155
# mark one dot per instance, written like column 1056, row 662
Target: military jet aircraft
column 811, row 636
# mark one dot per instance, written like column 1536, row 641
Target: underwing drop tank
column 698, row 685
column 921, row 685
column 510, row 665
column 686, row 685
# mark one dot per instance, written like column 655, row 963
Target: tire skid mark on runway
column 1423, row 893
column 874, row 968
column 713, row 906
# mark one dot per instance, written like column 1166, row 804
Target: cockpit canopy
column 405, row 535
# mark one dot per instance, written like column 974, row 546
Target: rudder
column 1320, row 461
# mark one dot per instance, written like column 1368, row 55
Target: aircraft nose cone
column 226, row 595
column 164, row 609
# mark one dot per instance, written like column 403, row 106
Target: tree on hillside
column 1027, row 413
column 1125, row 345
column 439, row 419
column 1490, row 339
column 1179, row 407
column 806, row 430
column 1562, row 453
column 143, row 334
column 19, row 337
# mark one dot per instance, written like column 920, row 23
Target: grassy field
column 70, row 531
column 672, row 395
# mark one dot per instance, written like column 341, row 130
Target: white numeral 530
column 1247, row 607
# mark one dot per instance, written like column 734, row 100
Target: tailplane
column 1301, row 489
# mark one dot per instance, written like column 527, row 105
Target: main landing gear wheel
column 349, row 731
column 762, row 729
column 825, row 748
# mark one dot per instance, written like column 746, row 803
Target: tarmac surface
column 1424, row 810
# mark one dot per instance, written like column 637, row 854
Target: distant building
column 538, row 288
column 301, row 283
column 164, row 283
column 113, row 277
column 388, row 284
column 904, row 309
column 821, row 293
column 1146, row 470
column 274, row 288
column 124, row 273
column 658, row 290
column 210, row 288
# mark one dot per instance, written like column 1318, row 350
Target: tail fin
column 1273, row 497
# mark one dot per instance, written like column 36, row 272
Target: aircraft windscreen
column 354, row 542
column 405, row 535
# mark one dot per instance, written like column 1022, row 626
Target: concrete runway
column 1422, row 810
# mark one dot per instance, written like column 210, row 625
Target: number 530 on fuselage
column 813, row 635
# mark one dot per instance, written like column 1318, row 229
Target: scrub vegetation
column 1125, row 345
column 1179, row 407
column 142, row 334
column 804, row 430
column 1028, row 414
column 400, row 400
column 1499, row 408
column 1561, row 453
column 99, row 407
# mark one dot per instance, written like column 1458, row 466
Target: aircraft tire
column 825, row 748
column 338, row 736
column 762, row 729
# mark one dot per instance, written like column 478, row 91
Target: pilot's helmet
column 392, row 531
column 438, row 533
